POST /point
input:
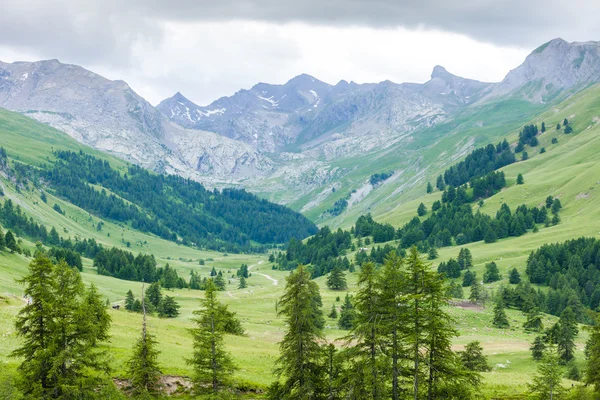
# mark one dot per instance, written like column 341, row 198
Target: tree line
column 572, row 271
column 171, row 207
column 478, row 163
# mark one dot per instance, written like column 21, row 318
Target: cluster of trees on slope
column 379, row 177
column 572, row 271
column 322, row 252
column 478, row 163
column 112, row 262
column 455, row 224
column 65, row 325
column 173, row 207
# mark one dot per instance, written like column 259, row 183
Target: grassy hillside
column 568, row 170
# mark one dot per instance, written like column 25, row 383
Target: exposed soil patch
column 582, row 196
column 467, row 305
column 167, row 384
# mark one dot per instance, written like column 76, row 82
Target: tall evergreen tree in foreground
column 211, row 362
column 300, row 361
column 366, row 337
column 394, row 312
column 143, row 364
column 60, row 333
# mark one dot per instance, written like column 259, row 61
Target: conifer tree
column 592, row 375
column 432, row 254
column 34, row 326
column 538, row 347
column 213, row 272
column 567, row 331
column 243, row 284
column 154, row 295
column 500, row 319
column 473, row 358
column 440, row 183
column 534, row 321
column 143, row 365
column 347, row 314
column 465, row 258
column 421, row 210
column 429, row 188
column 336, row 279
column 514, row 277
column 366, row 334
column 59, row 358
column 219, row 282
column 100, row 320
column 558, row 126
column 547, row 383
column 2, row 240
column 476, row 294
column 520, row 179
column 492, row 273
column 543, row 127
column 333, row 313
column 394, row 311
column 130, row 301
column 300, row 360
column 168, row 308
column 11, row 242
column 211, row 362
column 469, row 278
column 490, row 236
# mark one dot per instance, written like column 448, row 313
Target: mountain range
column 305, row 143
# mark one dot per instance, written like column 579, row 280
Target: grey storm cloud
column 505, row 22
column 96, row 29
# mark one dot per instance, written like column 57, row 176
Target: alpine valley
column 305, row 240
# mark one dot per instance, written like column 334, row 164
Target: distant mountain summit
column 552, row 69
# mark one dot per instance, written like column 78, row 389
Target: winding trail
column 275, row 281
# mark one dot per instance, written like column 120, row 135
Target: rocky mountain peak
column 551, row 69
column 439, row 72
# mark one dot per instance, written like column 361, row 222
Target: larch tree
column 394, row 311
column 300, row 363
column 366, row 337
column 59, row 334
column 211, row 362
column 143, row 366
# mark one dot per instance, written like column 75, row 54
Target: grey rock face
column 110, row 116
column 551, row 69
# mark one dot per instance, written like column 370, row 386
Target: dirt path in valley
column 275, row 281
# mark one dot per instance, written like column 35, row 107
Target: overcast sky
column 207, row 49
